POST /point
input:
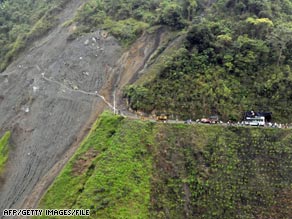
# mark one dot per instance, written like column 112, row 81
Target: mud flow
column 50, row 96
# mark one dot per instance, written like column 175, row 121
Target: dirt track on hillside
column 41, row 105
column 45, row 118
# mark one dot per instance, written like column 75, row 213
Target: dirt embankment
column 132, row 63
column 46, row 101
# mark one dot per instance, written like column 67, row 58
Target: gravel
column 45, row 117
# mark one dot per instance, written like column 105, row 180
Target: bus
column 255, row 121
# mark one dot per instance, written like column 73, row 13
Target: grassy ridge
column 4, row 150
column 133, row 169
column 110, row 173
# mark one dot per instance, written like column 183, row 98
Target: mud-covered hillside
column 128, row 168
column 52, row 93
column 41, row 104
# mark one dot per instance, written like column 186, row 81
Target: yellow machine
column 162, row 117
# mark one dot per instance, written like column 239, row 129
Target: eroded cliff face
column 50, row 96
column 133, row 63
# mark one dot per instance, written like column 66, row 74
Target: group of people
column 267, row 124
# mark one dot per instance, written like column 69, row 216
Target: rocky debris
column 85, row 73
column 75, row 87
column 104, row 34
column 86, row 42
column 33, row 95
column 25, row 109
column 35, row 88
column 55, row 113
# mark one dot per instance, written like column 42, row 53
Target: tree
column 200, row 36
column 192, row 4
column 259, row 27
column 171, row 14
column 279, row 38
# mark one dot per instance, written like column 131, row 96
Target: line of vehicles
column 250, row 118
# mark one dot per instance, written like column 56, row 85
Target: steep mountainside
column 52, row 93
column 41, row 108
column 132, row 169
column 229, row 63
column 64, row 62
column 21, row 22
column 237, row 60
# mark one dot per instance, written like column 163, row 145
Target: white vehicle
column 255, row 121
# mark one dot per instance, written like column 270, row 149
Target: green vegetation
column 216, row 172
column 229, row 63
column 131, row 169
column 4, row 150
column 21, row 22
column 125, row 30
column 126, row 20
column 235, row 61
column 110, row 173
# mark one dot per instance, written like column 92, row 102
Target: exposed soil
column 131, row 64
column 48, row 102
column 47, row 119
column 84, row 162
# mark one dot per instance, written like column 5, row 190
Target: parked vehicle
column 189, row 121
column 252, row 114
column 162, row 117
column 214, row 119
column 205, row 120
column 211, row 120
column 255, row 121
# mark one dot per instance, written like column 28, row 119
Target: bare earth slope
column 45, row 118
column 50, row 96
